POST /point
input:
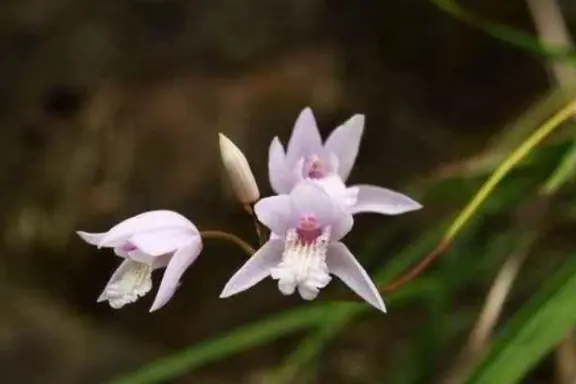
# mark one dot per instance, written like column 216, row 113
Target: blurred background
column 112, row 108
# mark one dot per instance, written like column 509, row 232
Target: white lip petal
column 256, row 269
column 182, row 259
column 118, row 273
column 344, row 142
column 303, row 266
column 342, row 263
column 131, row 281
column 381, row 200
column 147, row 221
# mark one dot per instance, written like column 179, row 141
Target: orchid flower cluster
column 307, row 219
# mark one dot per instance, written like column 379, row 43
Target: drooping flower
column 329, row 164
column 304, row 249
column 148, row 241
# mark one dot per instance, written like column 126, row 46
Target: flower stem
column 261, row 231
column 485, row 191
column 416, row 270
column 215, row 234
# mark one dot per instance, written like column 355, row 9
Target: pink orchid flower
column 149, row 241
column 305, row 248
column 329, row 164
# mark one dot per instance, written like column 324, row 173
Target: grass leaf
column 533, row 332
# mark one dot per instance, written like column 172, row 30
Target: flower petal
column 134, row 281
column 308, row 198
column 344, row 142
column 341, row 225
column 118, row 273
column 274, row 213
column 305, row 139
column 147, row 221
column 342, row 263
column 162, row 241
column 181, row 260
column 91, row 238
column 255, row 269
column 279, row 175
column 342, row 221
column 335, row 187
column 297, row 173
column 381, row 200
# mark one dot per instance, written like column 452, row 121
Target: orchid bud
column 239, row 172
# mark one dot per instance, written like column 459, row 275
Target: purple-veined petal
column 178, row 264
column 305, row 139
column 256, row 269
column 147, row 221
column 162, row 241
column 308, row 198
column 342, row 263
column 118, row 273
column 344, row 142
column 274, row 213
column 381, row 200
column 280, row 176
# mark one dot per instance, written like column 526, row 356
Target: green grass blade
column 563, row 174
column 241, row 339
column 505, row 33
column 506, row 166
column 532, row 332
column 308, row 350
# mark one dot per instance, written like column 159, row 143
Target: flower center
column 308, row 230
column 314, row 168
column 303, row 264
column 128, row 247
column 134, row 282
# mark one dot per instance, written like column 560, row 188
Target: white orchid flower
column 149, row 241
column 329, row 164
column 305, row 248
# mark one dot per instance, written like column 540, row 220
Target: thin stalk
column 215, row 234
